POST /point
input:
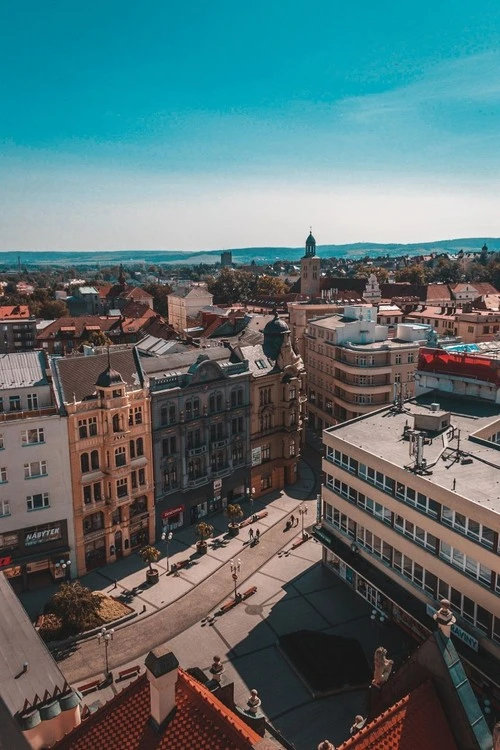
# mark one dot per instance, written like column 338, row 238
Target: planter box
column 233, row 530
column 152, row 576
column 202, row 548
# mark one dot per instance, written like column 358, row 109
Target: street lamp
column 379, row 618
column 250, row 497
column 303, row 512
column 65, row 566
column 105, row 636
column 167, row 537
column 235, row 569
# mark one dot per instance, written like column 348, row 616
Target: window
column 265, row 396
column 266, row 483
column 136, row 448
column 94, row 522
column 9, row 540
column 84, row 463
column 32, row 399
column 398, row 359
column 2, row 446
column 135, row 416
column 170, row 477
column 122, row 487
column 92, row 492
column 292, row 448
column 397, row 377
column 87, row 427
column 32, row 437
column 237, row 426
column 237, row 453
column 411, row 358
column 4, row 508
column 216, row 432
column 1, row 405
column 266, row 452
column 169, row 446
column 195, row 468
column 117, row 423
column 293, row 418
column 3, row 475
column 292, row 393
column 120, row 456
column 15, row 403
column 266, row 422
column 39, row 501
column 35, row 469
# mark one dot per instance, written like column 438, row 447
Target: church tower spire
column 310, row 269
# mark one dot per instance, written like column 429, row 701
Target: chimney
column 161, row 666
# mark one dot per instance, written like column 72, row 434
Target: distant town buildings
column 226, row 259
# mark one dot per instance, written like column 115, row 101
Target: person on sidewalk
column 250, row 534
column 257, row 535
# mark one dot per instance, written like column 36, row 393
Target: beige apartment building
column 109, row 436
column 185, row 302
column 411, row 516
column 299, row 317
column 472, row 327
column 353, row 367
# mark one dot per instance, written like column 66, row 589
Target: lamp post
column 378, row 618
column 250, row 497
column 167, row 536
column 235, row 569
column 302, row 513
column 105, row 636
column 65, row 566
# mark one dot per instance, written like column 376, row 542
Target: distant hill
column 261, row 255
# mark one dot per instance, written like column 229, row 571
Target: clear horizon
column 204, row 127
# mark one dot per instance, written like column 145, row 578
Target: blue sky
column 224, row 124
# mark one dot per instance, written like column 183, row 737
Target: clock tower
column 310, row 269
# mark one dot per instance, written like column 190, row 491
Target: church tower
column 310, row 269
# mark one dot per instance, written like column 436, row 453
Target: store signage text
column 172, row 511
column 41, row 536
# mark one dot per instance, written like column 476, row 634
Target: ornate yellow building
column 109, row 434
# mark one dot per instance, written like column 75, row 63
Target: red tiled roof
column 416, row 721
column 137, row 293
column 79, row 325
column 14, row 312
column 201, row 721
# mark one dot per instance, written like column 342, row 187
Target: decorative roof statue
column 432, row 338
column 382, row 667
column 445, row 618
column 326, row 745
column 217, row 669
column 253, row 703
column 359, row 722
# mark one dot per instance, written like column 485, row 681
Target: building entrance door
column 118, row 545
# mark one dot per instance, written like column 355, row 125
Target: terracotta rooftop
column 14, row 312
column 201, row 721
column 416, row 721
column 78, row 326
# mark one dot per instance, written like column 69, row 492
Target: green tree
column 150, row 555
column 204, row 531
column 97, row 338
column 413, row 274
column 233, row 512
column 160, row 294
column 232, row 286
column 270, row 285
column 52, row 308
column 76, row 605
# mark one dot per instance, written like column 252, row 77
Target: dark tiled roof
column 78, row 375
column 201, row 721
column 416, row 721
column 182, row 361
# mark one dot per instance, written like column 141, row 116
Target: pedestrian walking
column 292, row 519
column 257, row 535
column 250, row 534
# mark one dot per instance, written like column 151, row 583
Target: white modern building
column 36, row 521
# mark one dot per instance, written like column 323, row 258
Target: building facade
column 18, row 328
column 353, row 367
column 201, row 442
column 36, row 527
column 185, row 303
column 310, row 270
column 410, row 518
column 277, row 397
column 109, row 437
column 299, row 316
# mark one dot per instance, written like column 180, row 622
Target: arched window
column 211, row 402
column 164, row 415
column 189, row 410
column 171, row 414
column 233, row 398
column 240, row 396
column 94, row 459
column 84, row 463
column 116, row 423
column 196, row 407
column 132, row 449
column 219, row 402
column 139, row 447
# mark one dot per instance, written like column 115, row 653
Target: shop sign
column 323, row 535
column 217, row 484
column 459, row 632
column 172, row 511
column 5, row 561
column 41, row 536
column 409, row 623
column 256, row 456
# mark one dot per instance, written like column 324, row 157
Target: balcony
column 220, row 443
column 11, row 416
column 379, row 368
column 198, row 450
column 221, row 472
column 197, row 481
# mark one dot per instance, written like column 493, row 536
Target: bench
column 249, row 592
column 89, row 686
column 130, row 672
column 227, row 606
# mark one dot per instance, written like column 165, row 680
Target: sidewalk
column 198, row 588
